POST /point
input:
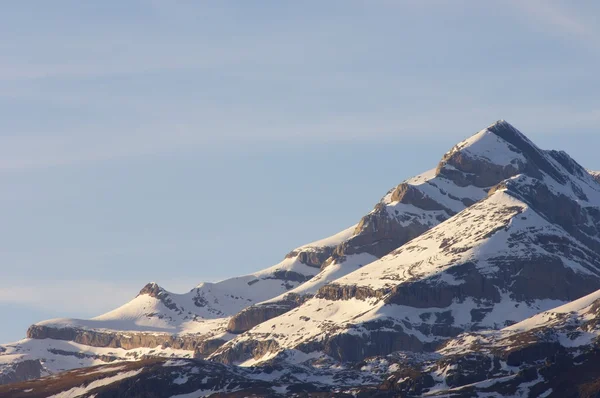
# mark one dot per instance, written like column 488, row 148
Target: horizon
column 186, row 144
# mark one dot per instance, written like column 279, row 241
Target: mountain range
column 477, row 278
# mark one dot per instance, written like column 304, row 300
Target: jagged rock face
column 259, row 313
column 313, row 257
column 125, row 340
column 255, row 315
column 466, row 170
column 378, row 234
column 21, row 371
column 595, row 175
column 153, row 290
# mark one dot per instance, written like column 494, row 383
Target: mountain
column 531, row 244
column 595, row 174
column 447, row 287
column 163, row 323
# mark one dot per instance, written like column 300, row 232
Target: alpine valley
column 478, row 278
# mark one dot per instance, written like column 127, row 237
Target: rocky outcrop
column 254, row 315
column 378, row 234
column 249, row 349
column 207, row 347
column 335, row 291
column 259, row 313
column 466, row 170
column 411, row 195
column 153, row 290
column 21, row 371
column 350, row 347
column 125, row 340
column 312, row 256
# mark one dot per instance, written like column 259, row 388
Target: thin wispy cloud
column 91, row 297
column 248, row 132
column 560, row 17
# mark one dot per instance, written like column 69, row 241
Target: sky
column 190, row 141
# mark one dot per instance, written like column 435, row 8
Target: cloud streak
column 245, row 132
column 561, row 19
column 88, row 297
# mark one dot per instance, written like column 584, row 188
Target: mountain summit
column 497, row 233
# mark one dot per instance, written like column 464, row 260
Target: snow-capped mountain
column 531, row 244
column 464, row 261
column 211, row 314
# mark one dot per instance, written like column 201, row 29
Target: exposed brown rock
column 312, row 256
column 259, row 313
column 153, row 290
column 350, row 347
column 378, row 234
column 466, row 170
column 21, row 371
column 207, row 347
column 125, row 340
column 409, row 194
column 245, row 350
column 335, row 291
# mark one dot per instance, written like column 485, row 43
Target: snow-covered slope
column 551, row 354
column 533, row 243
column 595, row 174
column 46, row 357
column 571, row 325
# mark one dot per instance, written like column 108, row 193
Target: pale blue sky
column 184, row 141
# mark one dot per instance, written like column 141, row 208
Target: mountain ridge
column 497, row 233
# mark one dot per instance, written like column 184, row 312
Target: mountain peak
column 152, row 289
column 500, row 123
column 485, row 158
column 499, row 151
